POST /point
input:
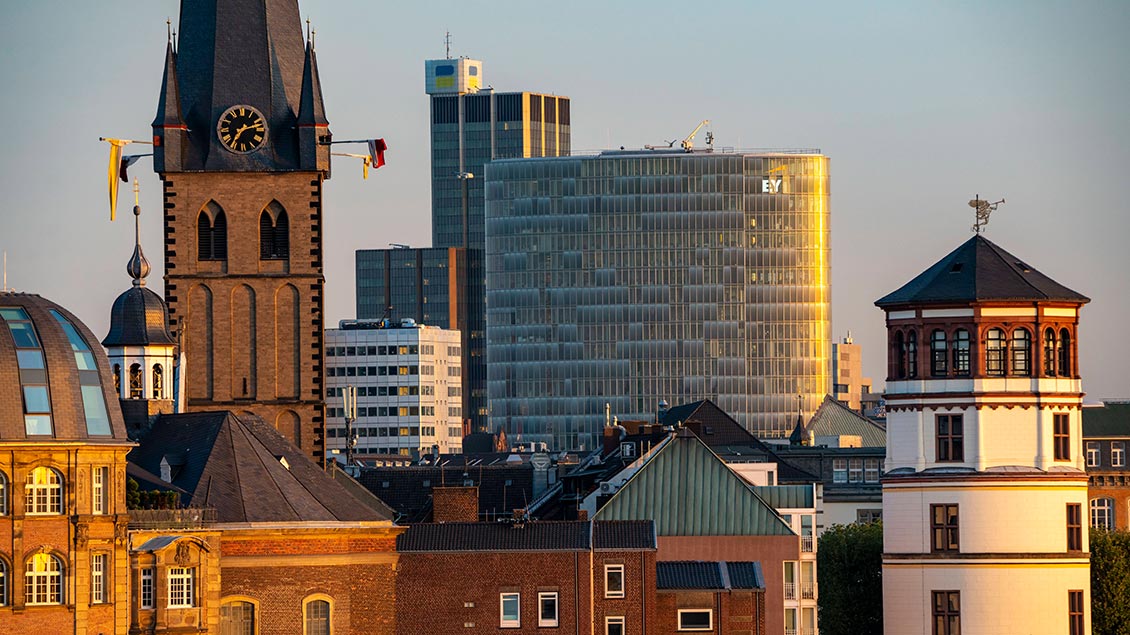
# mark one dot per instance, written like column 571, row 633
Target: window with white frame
column 3, row 583
column 871, row 470
column 790, row 580
column 855, row 470
column 696, row 619
column 181, row 583
column 98, row 489
column 790, row 622
column 613, row 580
column 43, row 492
column 148, row 575
column 1092, row 454
column 547, row 608
column 614, row 625
column 1117, row 453
column 839, row 470
column 43, row 580
column 98, row 578
column 509, row 610
column 1102, row 513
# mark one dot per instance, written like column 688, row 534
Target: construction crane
column 688, row 143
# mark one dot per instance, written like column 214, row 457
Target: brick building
column 572, row 576
column 718, row 597
column 1106, row 436
column 63, row 558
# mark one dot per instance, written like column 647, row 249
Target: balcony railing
column 808, row 591
column 198, row 518
column 790, row 590
column 806, row 544
column 790, row 631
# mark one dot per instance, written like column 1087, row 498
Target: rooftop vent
column 1023, row 267
column 956, row 268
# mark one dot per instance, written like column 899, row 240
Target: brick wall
column 734, row 612
column 455, row 504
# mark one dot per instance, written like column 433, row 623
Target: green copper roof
column 834, row 419
column 1110, row 420
column 786, row 496
column 688, row 491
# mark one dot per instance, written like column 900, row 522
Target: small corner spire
column 169, row 29
column 309, row 31
column 138, row 266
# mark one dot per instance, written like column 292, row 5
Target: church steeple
column 312, row 122
column 169, row 129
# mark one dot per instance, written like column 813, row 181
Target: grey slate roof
column 688, row 491
column 833, row 419
column 979, row 270
column 233, row 464
column 1110, row 420
column 576, row 535
column 139, row 317
column 708, row 576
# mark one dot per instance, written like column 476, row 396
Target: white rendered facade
column 408, row 385
column 984, row 493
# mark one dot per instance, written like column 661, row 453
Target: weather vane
column 983, row 208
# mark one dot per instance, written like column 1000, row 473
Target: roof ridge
column 253, row 441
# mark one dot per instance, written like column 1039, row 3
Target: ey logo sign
column 772, row 185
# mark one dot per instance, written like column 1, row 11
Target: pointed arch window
column 1050, row 352
column 961, row 352
column 212, row 233
column 994, row 352
column 939, row 355
column 1064, row 353
column 1021, row 363
column 274, row 233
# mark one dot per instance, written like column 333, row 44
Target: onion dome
column 139, row 317
column 61, row 388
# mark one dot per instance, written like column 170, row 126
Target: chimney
column 455, row 504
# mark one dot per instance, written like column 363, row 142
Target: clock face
column 241, row 129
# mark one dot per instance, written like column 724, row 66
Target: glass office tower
column 629, row 277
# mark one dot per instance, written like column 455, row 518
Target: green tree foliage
column 1110, row 582
column 133, row 495
column 849, row 561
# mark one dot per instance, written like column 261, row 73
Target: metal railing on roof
column 192, row 518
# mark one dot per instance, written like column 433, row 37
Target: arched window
column 237, row 618
column 911, row 355
column 1049, row 352
column 212, row 234
column 118, row 379
column 961, row 352
column 274, row 233
column 3, row 583
column 900, row 356
column 1102, row 513
column 994, row 352
column 158, row 381
column 43, row 580
column 939, row 355
column 3, row 494
column 1021, row 352
column 136, row 390
column 43, row 492
column 316, row 614
column 1064, row 353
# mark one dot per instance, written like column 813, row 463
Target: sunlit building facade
column 627, row 278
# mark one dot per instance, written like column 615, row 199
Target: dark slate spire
column 313, row 127
column 239, row 53
column 979, row 271
column 169, row 129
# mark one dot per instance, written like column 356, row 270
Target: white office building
column 408, row 388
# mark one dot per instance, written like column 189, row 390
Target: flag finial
column 307, row 28
column 138, row 266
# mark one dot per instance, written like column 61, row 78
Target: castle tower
column 984, row 492
column 241, row 144
column 140, row 348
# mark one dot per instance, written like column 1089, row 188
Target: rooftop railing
column 194, row 518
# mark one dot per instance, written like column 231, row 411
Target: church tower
column 241, row 145
column 985, row 491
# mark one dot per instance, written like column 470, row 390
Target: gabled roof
column 978, row 271
column 834, row 419
column 575, row 535
column 236, row 465
column 688, row 491
column 708, row 576
column 1110, row 420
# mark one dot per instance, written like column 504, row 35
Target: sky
column 920, row 105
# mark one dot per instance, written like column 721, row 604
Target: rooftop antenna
column 5, row 288
column 983, row 209
column 447, row 43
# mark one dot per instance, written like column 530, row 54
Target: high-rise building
column 239, row 143
column 848, row 383
column 407, row 379
column 632, row 277
column 985, row 494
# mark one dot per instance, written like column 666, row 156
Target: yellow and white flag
column 116, row 146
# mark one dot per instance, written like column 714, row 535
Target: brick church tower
column 239, row 142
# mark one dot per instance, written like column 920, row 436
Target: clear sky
column 920, row 105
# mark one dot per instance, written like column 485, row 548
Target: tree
column 1110, row 582
column 850, row 564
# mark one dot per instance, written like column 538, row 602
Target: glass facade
column 631, row 277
